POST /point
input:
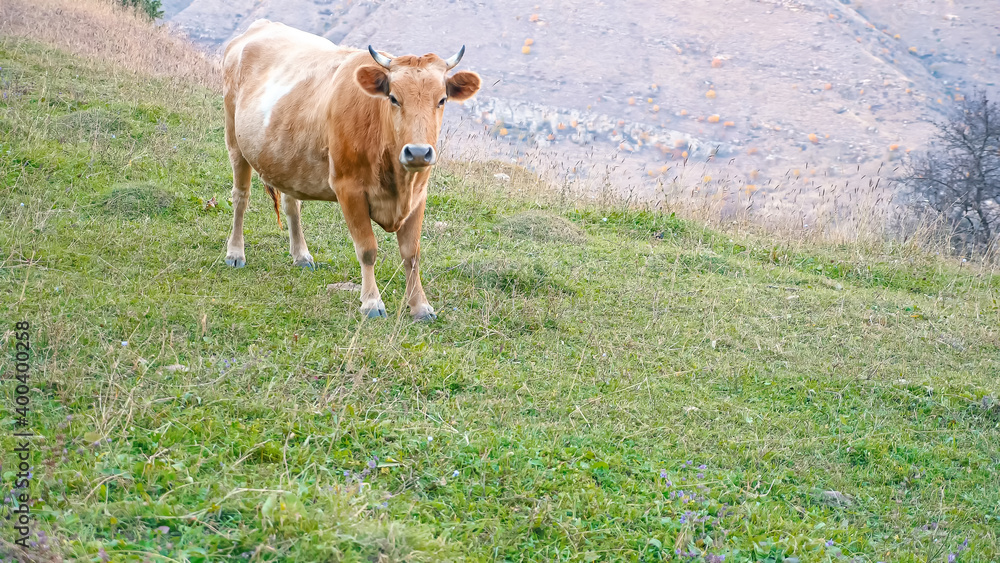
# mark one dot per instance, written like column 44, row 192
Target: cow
column 323, row 122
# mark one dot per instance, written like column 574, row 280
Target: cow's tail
column 274, row 197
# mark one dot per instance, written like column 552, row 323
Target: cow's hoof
column 236, row 261
column 305, row 262
column 424, row 313
column 374, row 310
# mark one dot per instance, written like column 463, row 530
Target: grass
column 604, row 383
column 106, row 30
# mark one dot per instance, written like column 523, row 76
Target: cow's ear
column 463, row 85
column 373, row 80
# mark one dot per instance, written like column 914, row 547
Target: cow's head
column 416, row 88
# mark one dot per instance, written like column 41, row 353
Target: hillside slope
column 602, row 384
column 815, row 87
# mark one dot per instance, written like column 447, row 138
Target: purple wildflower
column 703, row 466
column 829, row 543
column 663, row 474
column 372, row 464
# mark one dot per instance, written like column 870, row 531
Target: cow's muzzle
column 417, row 156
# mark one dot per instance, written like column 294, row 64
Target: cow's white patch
column 273, row 92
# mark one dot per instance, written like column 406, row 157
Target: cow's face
column 416, row 89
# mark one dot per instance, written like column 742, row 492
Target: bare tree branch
column 959, row 177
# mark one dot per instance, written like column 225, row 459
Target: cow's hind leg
column 300, row 253
column 235, row 255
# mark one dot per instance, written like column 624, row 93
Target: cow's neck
column 397, row 192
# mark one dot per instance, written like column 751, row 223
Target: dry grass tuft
column 102, row 30
column 540, row 226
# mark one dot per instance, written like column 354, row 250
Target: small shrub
column 152, row 8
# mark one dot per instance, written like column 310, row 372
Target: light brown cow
column 322, row 122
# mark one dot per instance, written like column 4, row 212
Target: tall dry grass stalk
column 104, row 30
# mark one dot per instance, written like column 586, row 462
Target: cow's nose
column 418, row 155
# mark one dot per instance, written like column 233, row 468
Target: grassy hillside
column 602, row 383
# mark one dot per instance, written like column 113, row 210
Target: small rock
column 502, row 177
column 836, row 498
column 176, row 367
column 691, row 409
column 343, row 286
column 440, row 226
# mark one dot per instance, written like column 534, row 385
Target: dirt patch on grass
column 133, row 201
column 514, row 278
column 89, row 122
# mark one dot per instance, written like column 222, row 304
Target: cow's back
column 267, row 47
column 277, row 86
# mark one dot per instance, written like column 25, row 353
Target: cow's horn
column 380, row 58
column 452, row 61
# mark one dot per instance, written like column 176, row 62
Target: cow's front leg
column 359, row 223
column 297, row 242
column 409, row 249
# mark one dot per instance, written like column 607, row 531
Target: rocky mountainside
column 772, row 92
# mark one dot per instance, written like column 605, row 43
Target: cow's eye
column 393, row 100
column 441, row 103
